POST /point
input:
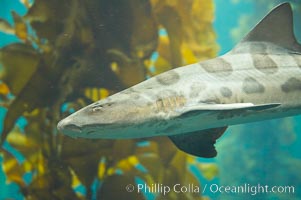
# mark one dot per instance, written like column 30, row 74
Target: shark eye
column 98, row 108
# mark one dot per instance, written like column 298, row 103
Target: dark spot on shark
column 168, row 78
column 291, row 85
column 217, row 66
column 251, row 86
column 264, row 63
column 196, row 88
column 297, row 59
column 226, row 92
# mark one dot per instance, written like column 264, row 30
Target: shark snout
column 66, row 126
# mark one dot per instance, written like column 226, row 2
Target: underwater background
column 58, row 56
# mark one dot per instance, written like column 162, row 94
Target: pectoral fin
column 199, row 143
column 231, row 106
column 227, row 107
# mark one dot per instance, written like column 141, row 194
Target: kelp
column 190, row 35
column 74, row 52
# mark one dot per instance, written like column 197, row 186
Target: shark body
column 259, row 79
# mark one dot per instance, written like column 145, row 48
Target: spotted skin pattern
column 196, row 88
column 291, row 85
column 226, row 92
column 264, row 63
column 217, row 67
column 168, row 78
column 251, row 85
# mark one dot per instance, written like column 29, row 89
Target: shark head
column 95, row 120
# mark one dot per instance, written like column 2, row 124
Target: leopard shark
column 259, row 79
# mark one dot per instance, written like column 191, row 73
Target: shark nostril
column 73, row 127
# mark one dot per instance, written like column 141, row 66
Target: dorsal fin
column 277, row 28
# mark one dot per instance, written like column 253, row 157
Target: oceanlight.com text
column 249, row 189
